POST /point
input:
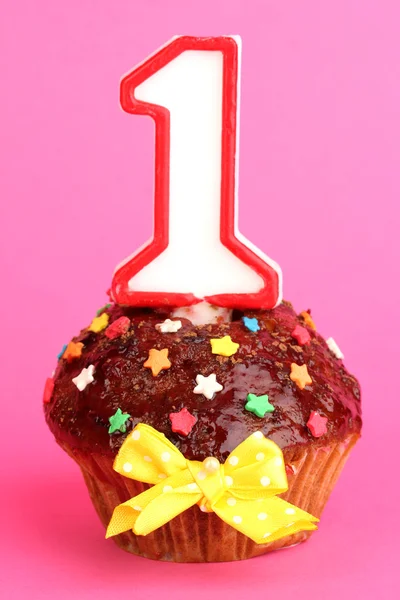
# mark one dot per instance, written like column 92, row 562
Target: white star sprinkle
column 334, row 348
column 207, row 386
column 84, row 378
column 169, row 326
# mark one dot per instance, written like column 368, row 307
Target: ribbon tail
column 123, row 518
column 265, row 521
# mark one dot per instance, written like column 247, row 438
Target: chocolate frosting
column 260, row 366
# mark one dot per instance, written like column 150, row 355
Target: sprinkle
column 157, row 361
column 317, row 424
column 251, row 324
column 63, row 349
column 118, row 421
column 84, row 378
column 299, row 374
column 48, row 390
column 169, row 326
column 72, row 351
column 258, row 405
column 307, row 319
column 118, row 328
column 334, row 348
column 301, row 335
column 224, row 346
column 207, row 386
column 182, row 422
column 102, row 309
column 99, row 323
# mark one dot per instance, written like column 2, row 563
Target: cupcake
column 207, row 388
column 209, row 420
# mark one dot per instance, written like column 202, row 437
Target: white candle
column 190, row 88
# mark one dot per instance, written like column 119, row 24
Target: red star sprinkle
column 48, row 390
column 182, row 422
column 118, row 328
column 317, row 424
column 301, row 335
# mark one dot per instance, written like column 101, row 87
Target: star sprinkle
column 251, row 324
column 84, row 378
column 99, row 323
column 317, row 424
column 182, row 422
column 48, row 390
column 301, row 335
column 307, row 319
column 169, row 326
column 63, row 349
column 299, row 374
column 72, row 351
column 207, row 386
column 224, row 346
column 334, row 348
column 102, row 309
column 118, row 421
column 157, row 361
column 259, row 405
column 118, row 328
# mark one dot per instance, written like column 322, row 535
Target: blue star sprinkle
column 251, row 324
column 62, row 351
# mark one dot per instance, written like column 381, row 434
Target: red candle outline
column 268, row 296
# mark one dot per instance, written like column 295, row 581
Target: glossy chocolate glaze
column 261, row 366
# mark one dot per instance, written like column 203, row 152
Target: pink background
column 319, row 188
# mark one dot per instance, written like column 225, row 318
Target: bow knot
column 242, row 492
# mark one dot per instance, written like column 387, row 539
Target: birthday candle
column 190, row 89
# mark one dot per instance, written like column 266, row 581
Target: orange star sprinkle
column 308, row 320
column 299, row 374
column 157, row 361
column 72, row 351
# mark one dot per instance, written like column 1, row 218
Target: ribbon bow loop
column 257, row 469
column 242, row 492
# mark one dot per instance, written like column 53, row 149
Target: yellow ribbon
column 242, row 492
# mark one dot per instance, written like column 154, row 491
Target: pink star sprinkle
column 301, row 335
column 118, row 328
column 182, row 422
column 317, row 424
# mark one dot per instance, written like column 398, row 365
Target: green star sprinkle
column 258, row 405
column 102, row 309
column 117, row 421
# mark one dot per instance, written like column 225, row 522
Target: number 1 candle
column 190, row 89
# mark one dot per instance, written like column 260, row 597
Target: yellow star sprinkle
column 99, row 323
column 299, row 374
column 308, row 320
column 157, row 361
column 224, row 346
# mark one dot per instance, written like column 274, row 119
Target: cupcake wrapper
column 195, row 536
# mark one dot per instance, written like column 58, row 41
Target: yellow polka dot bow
column 242, row 492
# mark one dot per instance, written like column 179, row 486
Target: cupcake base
column 195, row 536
